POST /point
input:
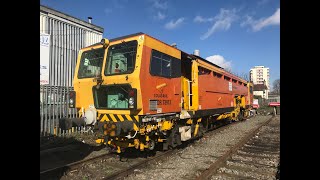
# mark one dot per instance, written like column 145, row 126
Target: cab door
column 189, row 83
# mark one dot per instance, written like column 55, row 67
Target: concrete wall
column 260, row 93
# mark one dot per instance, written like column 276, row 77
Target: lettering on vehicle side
column 160, row 95
column 164, row 102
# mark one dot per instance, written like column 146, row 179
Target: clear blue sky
column 238, row 34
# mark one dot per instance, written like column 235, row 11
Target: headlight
column 72, row 99
column 131, row 101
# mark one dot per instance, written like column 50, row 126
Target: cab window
column 121, row 58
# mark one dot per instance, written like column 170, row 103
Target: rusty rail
column 71, row 166
column 220, row 161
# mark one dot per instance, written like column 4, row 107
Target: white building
column 67, row 35
column 260, row 75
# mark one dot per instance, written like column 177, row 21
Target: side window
column 176, row 67
column 155, row 65
column 227, row 78
column 215, row 74
column 203, row 71
column 164, row 65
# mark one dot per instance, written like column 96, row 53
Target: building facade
column 260, row 90
column 61, row 38
column 261, row 75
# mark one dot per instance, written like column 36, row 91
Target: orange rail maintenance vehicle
column 141, row 92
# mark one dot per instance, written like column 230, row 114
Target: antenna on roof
column 196, row 52
column 174, row 45
column 90, row 19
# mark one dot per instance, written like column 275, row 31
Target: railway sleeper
column 246, row 174
column 252, row 167
column 228, row 176
column 252, row 170
column 267, row 161
column 255, row 154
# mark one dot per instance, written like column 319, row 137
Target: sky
column 236, row 35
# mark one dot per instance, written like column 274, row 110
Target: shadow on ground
column 60, row 151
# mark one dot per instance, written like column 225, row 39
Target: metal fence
column 53, row 106
column 265, row 102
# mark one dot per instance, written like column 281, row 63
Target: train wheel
column 152, row 145
column 240, row 116
column 205, row 125
column 168, row 143
column 173, row 140
column 165, row 146
column 175, row 137
column 202, row 130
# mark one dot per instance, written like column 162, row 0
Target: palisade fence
column 54, row 105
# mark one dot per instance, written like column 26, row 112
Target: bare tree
column 242, row 75
column 276, row 86
column 228, row 70
column 245, row 76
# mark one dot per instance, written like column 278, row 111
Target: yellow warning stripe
column 128, row 117
column 121, row 118
column 113, row 118
column 116, row 118
column 104, row 118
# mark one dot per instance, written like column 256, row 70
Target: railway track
column 160, row 156
column 120, row 171
column 256, row 156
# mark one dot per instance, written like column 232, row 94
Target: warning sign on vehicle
column 230, row 86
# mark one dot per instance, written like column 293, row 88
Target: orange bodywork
column 214, row 92
column 167, row 91
column 218, row 88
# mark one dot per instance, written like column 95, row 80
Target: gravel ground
column 191, row 161
column 258, row 159
column 186, row 163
